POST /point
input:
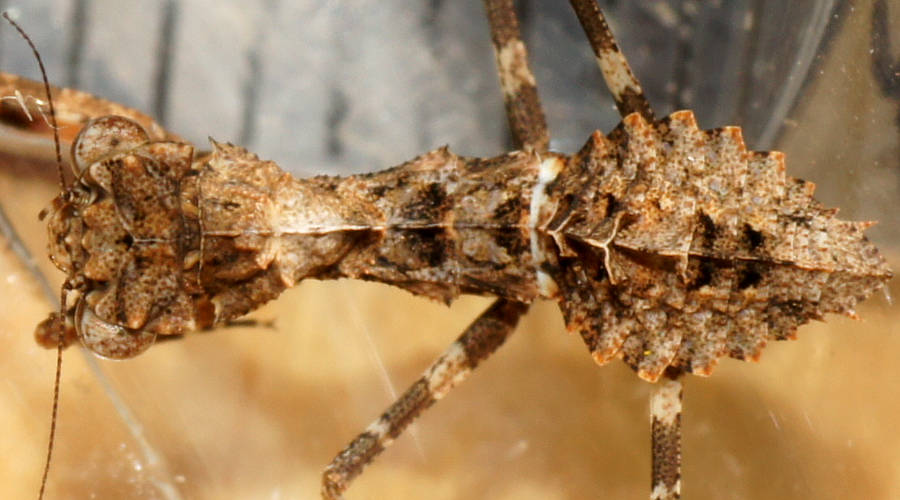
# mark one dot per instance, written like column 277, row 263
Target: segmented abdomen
column 678, row 246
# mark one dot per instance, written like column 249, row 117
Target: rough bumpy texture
column 159, row 242
column 667, row 246
column 684, row 247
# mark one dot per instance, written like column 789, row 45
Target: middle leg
column 523, row 106
column 480, row 340
column 488, row 331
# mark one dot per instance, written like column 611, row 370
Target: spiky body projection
column 683, row 246
column 664, row 244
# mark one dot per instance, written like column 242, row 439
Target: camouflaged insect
column 665, row 245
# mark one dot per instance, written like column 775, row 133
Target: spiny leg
column 620, row 80
column 479, row 341
column 665, row 402
column 665, row 422
column 523, row 106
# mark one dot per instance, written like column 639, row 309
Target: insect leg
column 620, row 80
column 478, row 342
column 523, row 106
column 665, row 402
column 665, row 419
column 884, row 67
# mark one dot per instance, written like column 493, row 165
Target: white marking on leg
column 617, row 73
column 665, row 403
column 663, row 492
column 514, row 72
column 379, row 428
column 448, row 371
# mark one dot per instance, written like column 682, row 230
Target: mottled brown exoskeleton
column 664, row 245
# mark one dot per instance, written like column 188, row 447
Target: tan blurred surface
column 257, row 413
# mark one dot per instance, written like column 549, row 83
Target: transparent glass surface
column 340, row 87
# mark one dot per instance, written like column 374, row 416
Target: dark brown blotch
column 703, row 275
column 513, row 241
column 749, row 274
column 612, row 204
column 430, row 244
column 801, row 220
column 508, row 210
column 708, row 230
column 428, row 205
column 754, row 238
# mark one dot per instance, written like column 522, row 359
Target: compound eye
column 64, row 231
column 108, row 340
column 103, row 137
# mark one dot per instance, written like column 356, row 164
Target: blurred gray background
column 351, row 86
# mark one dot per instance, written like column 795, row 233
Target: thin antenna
column 62, row 300
column 54, row 413
column 37, row 55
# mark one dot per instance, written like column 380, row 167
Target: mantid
column 663, row 244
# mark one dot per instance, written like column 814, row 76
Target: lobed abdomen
column 679, row 246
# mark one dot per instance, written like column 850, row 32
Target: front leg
column 480, row 340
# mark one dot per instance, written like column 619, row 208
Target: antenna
column 60, row 316
column 59, row 164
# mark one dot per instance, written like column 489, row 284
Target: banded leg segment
column 523, row 106
column 620, row 80
column 488, row 331
column 479, row 341
column 665, row 401
column 665, row 421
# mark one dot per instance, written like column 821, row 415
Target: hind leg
column 665, row 423
column 620, row 80
column 488, row 331
column 666, row 399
